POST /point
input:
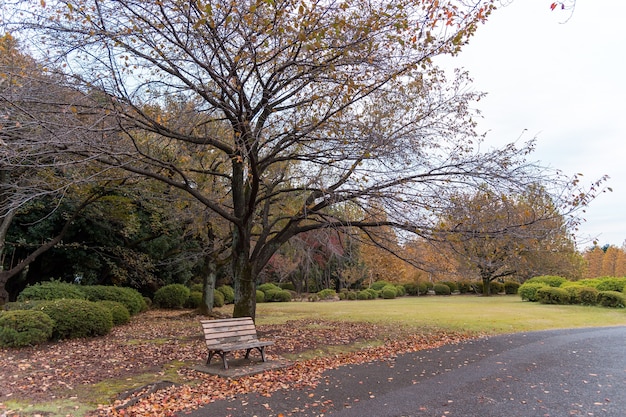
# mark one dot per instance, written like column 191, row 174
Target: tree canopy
column 281, row 117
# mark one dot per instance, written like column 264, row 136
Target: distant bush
column 477, row 287
column 400, row 291
column 228, row 292
column 119, row 312
column 218, row 299
column 287, row 286
column 21, row 328
column 388, row 292
column 528, row 290
column 441, row 289
column 464, row 287
column 496, row 287
column 51, row 290
column 22, row 305
column 451, row 284
column 196, row 288
column 131, row 298
column 612, row 299
column 588, row 296
column 574, row 294
column 172, row 296
column 268, row 286
column 611, row 284
column 373, row 293
column 550, row 280
column 552, row 295
column 379, row 285
column 77, row 318
column 194, row 300
column 511, row 287
column 327, row 294
column 277, row 295
column 351, row 295
column 260, row 296
column 363, row 295
column 416, row 288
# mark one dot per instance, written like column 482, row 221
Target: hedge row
column 606, row 292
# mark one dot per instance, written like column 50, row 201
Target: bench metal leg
column 222, row 354
column 260, row 349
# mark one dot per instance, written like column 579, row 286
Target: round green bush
column 196, row 288
column 327, row 294
column 451, row 284
column 218, row 299
column 588, row 296
column 22, row 305
column 552, row 295
column 389, row 292
column 77, row 318
column 51, row 290
column 283, row 296
column 287, row 286
column 528, row 290
column 496, row 287
column 131, row 298
column 24, row 328
column 411, row 288
column 268, row 286
column 552, row 281
column 228, row 292
column 400, row 291
column 171, row 296
column 260, row 296
column 379, row 285
column 373, row 294
column 351, row 295
column 363, row 295
column 194, row 300
column 511, row 287
column 441, row 289
column 611, row 284
column 613, row 299
column 464, row 286
column 119, row 312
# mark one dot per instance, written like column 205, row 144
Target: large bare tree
column 318, row 110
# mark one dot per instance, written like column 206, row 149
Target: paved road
column 580, row 372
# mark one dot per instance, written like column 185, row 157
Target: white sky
column 565, row 83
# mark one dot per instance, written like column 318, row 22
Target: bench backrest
column 227, row 331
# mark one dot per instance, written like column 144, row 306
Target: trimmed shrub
column 51, row 290
column 441, row 289
column 416, row 288
column 268, row 286
column 511, row 287
column 400, row 291
column 119, row 312
column 194, row 300
column 77, row 318
column 327, row 294
column 24, row 328
column 195, row 288
column 528, row 290
column 22, row 305
column 550, row 280
column 588, row 296
column 228, row 292
column 574, row 294
column 451, row 284
column 379, row 285
column 282, row 296
column 613, row 299
column 131, row 298
column 351, row 295
column 496, row 287
column 388, row 292
column 260, row 296
column 287, row 286
column 363, row 295
column 464, row 287
column 477, row 287
column 218, row 299
column 552, row 295
column 172, row 296
column 611, row 284
column 374, row 294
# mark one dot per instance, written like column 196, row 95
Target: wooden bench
column 226, row 335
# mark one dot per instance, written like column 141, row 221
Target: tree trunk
column 209, row 276
column 245, row 287
column 486, row 286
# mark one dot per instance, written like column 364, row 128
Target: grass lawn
column 491, row 315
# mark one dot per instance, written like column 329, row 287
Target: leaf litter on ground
column 157, row 338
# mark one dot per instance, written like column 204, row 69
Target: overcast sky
column 564, row 83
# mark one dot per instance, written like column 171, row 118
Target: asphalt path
column 558, row 373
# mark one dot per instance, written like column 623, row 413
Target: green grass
column 492, row 315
